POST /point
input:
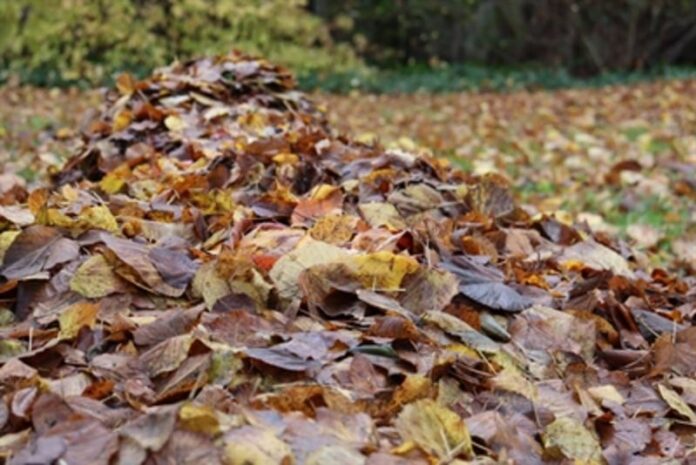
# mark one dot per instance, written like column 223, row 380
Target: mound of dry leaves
column 216, row 277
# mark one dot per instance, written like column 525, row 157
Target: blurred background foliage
column 68, row 41
column 583, row 36
column 342, row 44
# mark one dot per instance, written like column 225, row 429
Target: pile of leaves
column 623, row 158
column 216, row 277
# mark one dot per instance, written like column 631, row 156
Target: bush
column 59, row 41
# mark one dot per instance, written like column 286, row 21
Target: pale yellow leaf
column 95, row 278
column 568, row 438
column 174, row 123
column 309, row 252
column 606, row 392
column 436, row 429
column 676, row 403
column 379, row 214
column 99, row 217
column 255, row 446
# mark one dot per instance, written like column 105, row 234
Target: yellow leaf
column 99, row 217
column 199, row 418
column 286, row 159
column 10, row 348
column 379, row 214
column 463, row 350
column 209, row 285
column 114, row 180
column 216, row 112
column 334, row 229
column 308, row 252
column 677, row 404
column 69, row 193
column 255, row 446
column 435, row 429
column 413, row 387
column 6, row 239
column 174, row 123
column 122, row 120
column 512, row 380
column 366, row 138
column 323, row 191
column 568, row 438
column 606, row 392
column 55, row 217
column 383, row 270
column 75, row 317
column 95, row 278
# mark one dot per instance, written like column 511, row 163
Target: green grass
column 422, row 78
column 653, row 211
column 469, row 77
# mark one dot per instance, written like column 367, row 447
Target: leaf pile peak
column 217, row 277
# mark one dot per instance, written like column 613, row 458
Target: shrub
column 54, row 41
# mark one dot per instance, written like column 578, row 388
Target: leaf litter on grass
column 616, row 157
column 215, row 277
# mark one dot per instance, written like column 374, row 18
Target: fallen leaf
column 99, row 217
column 309, row 252
column 95, row 278
column 382, row 270
column 568, row 438
column 677, row 404
column 428, row 289
column 35, row 249
column 76, row 317
column 378, row 214
column 17, row 215
column 435, row 429
column 485, row 285
column 596, row 256
column 255, row 445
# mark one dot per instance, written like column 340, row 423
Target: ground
column 622, row 158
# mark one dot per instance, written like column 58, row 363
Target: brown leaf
column 159, row 270
column 173, row 323
column 485, row 285
column 36, row 249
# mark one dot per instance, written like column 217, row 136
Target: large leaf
column 485, row 285
column 35, row 249
column 435, row 429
